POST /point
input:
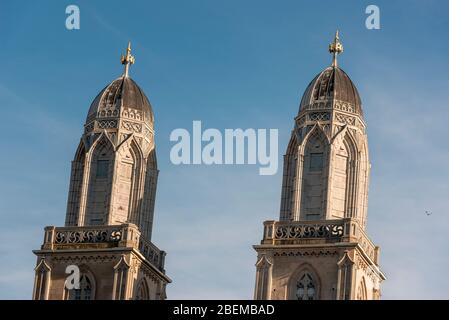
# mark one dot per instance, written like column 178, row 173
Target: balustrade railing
column 125, row 235
column 338, row 230
column 87, row 235
column 152, row 253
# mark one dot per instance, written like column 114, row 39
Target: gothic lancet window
column 316, row 161
column 142, row 291
column 76, row 183
column 99, row 184
column 361, row 291
column 306, row 287
column 102, row 168
column 314, row 177
column 84, row 292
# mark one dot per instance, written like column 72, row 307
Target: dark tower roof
column 122, row 92
column 332, row 84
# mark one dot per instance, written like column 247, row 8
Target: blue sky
column 229, row 64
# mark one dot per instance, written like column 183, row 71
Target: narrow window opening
column 102, row 169
column 316, row 161
column 306, row 288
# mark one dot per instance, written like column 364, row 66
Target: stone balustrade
column 152, row 253
column 322, row 231
column 97, row 237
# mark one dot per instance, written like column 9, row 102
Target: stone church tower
column 107, row 232
column 319, row 249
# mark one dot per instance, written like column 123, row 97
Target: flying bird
column 428, row 213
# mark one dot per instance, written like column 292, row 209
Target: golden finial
column 335, row 48
column 127, row 60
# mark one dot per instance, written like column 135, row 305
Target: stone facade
column 110, row 208
column 318, row 249
column 118, row 263
column 338, row 256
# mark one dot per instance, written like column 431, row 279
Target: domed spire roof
column 121, row 93
column 332, row 84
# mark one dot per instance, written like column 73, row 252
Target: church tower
column 107, row 232
column 319, row 248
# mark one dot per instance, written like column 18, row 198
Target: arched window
column 76, row 184
column 361, row 291
column 306, row 287
column 314, row 176
column 143, row 292
column 85, row 291
column 100, row 183
column 128, row 171
column 289, row 186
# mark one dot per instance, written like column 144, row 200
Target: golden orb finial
column 335, row 48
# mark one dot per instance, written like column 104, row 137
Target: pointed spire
column 335, row 48
column 127, row 60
